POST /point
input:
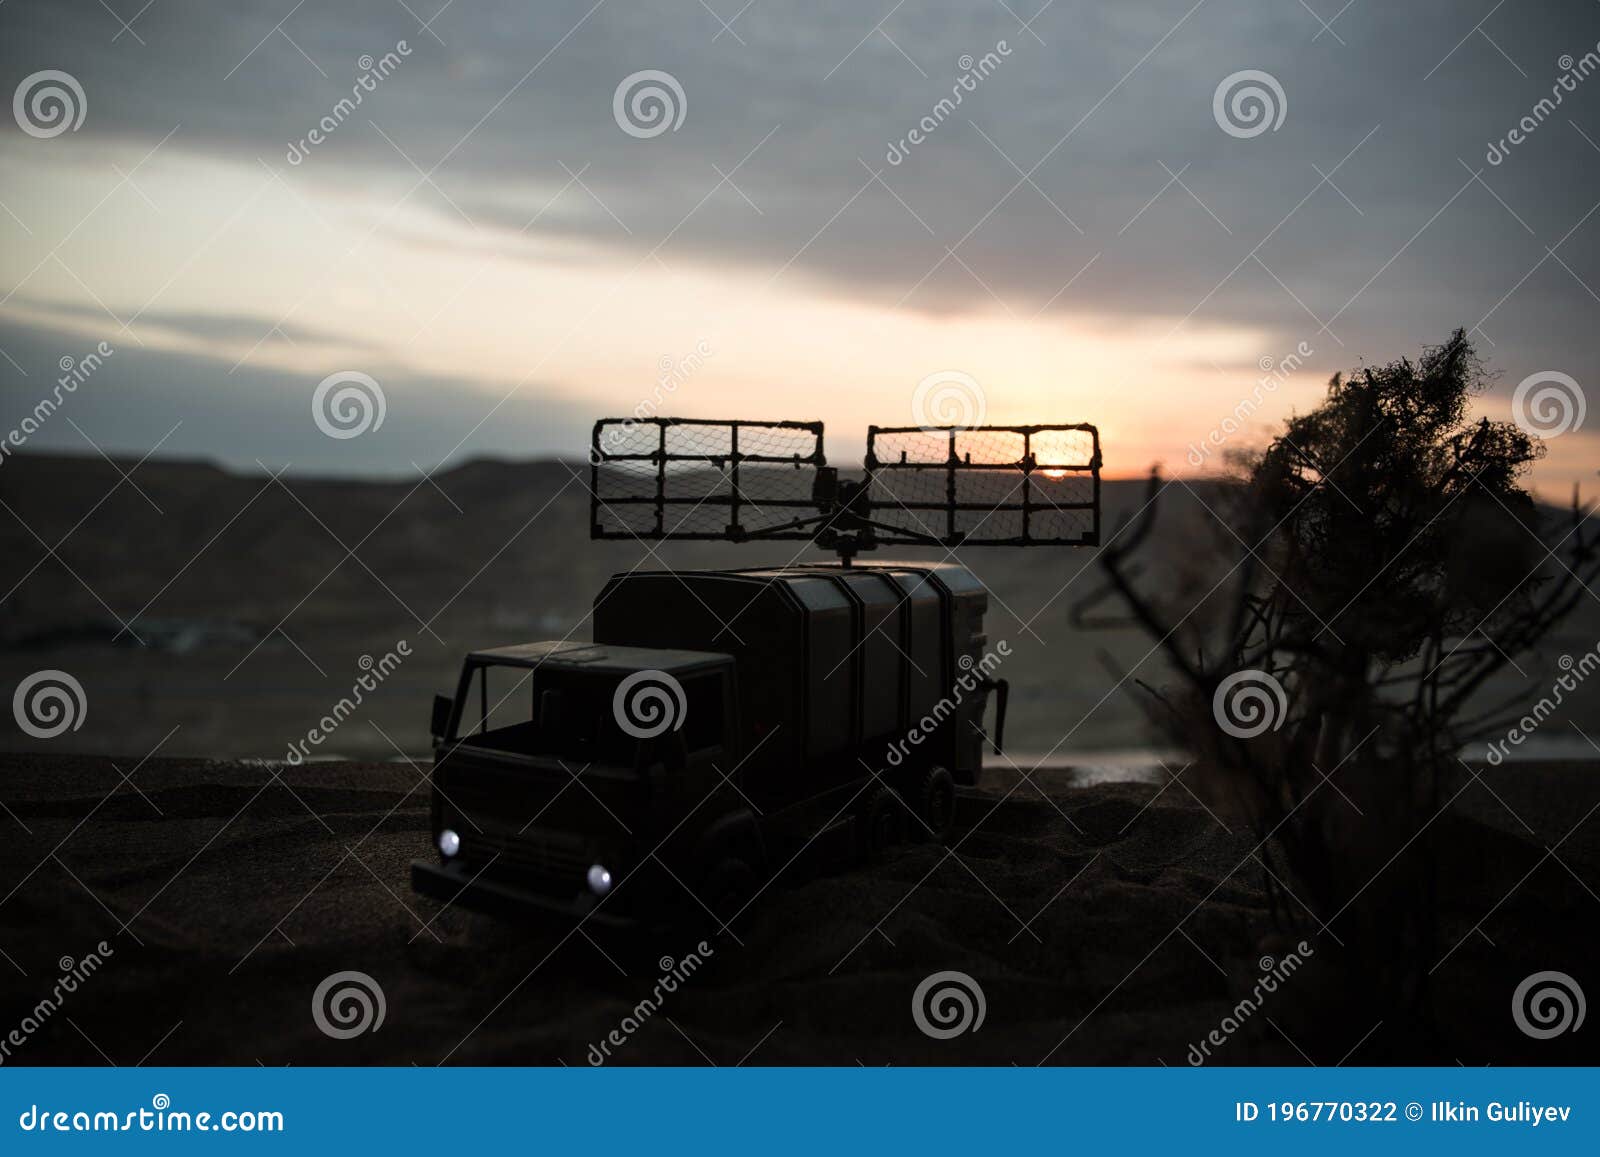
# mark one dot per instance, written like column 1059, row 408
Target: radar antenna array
column 669, row 479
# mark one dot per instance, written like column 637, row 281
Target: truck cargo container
column 789, row 732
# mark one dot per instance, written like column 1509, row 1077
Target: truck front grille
column 536, row 854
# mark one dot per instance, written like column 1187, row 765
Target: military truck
column 725, row 724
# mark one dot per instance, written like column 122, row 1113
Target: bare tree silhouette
column 1383, row 563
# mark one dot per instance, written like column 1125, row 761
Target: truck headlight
column 449, row 843
column 599, row 879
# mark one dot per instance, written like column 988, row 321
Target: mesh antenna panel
column 985, row 485
column 683, row 478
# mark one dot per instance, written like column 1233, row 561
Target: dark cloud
column 1113, row 103
column 136, row 397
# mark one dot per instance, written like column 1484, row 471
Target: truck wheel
column 882, row 821
column 931, row 795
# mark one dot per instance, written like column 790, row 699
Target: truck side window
column 702, row 723
column 498, row 711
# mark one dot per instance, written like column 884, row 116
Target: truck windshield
column 525, row 711
column 570, row 714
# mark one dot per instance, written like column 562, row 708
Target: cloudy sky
column 509, row 245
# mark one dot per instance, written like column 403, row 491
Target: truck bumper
column 483, row 893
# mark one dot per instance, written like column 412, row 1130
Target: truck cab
column 558, row 765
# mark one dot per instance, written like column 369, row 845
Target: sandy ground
column 1114, row 923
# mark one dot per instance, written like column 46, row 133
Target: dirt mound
column 1109, row 924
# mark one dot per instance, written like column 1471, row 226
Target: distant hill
column 210, row 566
